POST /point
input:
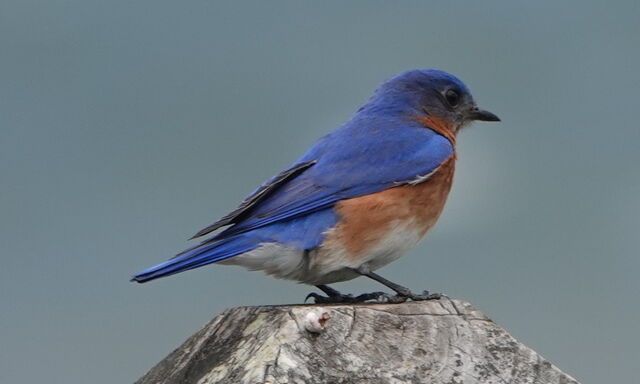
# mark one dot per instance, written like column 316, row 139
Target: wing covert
column 346, row 170
column 256, row 197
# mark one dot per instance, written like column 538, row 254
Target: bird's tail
column 198, row 256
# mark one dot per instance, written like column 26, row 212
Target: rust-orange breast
column 366, row 220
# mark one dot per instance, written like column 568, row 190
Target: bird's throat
column 440, row 126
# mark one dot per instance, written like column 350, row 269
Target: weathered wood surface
column 444, row 341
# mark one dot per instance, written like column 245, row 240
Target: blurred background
column 125, row 127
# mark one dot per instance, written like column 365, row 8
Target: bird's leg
column 403, row 293
column 334, row 296
column 328, row 290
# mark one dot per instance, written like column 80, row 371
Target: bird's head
column 429, row 93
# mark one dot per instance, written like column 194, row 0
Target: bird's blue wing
column 295, row 206
column 259, row 195
column 352, row 161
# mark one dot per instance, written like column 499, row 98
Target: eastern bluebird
column 356, row 201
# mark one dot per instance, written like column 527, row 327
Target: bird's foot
column 402, row 293
column 339, row 298
column 401, row 297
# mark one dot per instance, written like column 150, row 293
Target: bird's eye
column 452, row 97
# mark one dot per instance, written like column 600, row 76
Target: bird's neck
column 440, row 126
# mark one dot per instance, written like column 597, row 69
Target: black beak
column 481, row 115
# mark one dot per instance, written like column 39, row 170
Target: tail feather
column 198, row 257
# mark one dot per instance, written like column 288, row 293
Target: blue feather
column 382, row 146
column 363, row 157
column 303, row 233
column 198, row 257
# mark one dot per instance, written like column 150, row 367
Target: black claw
column 350, row 299
column 394, row 299
column 373, row 297
column 424, row 296
column 376, row 296
column 330, row 299
column 315, row 296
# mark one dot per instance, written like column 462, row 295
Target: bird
column 358, row 199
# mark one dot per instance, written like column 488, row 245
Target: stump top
column 438, row 341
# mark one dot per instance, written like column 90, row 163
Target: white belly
column 331, row 262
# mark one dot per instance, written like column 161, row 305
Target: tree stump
column 438, row 341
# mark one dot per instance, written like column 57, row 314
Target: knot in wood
column 314, row 321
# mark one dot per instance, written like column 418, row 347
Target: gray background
column 126, row 126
